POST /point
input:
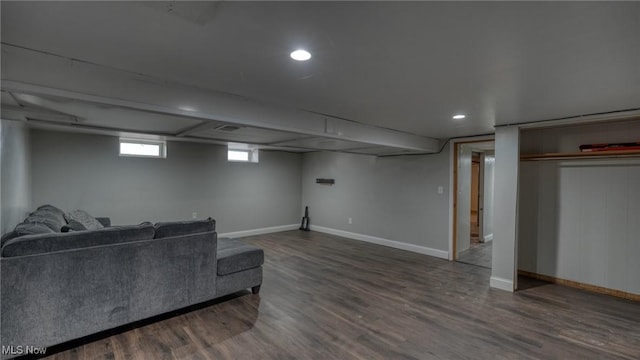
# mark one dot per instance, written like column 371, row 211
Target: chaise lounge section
column 238, row 263
column 58, row 286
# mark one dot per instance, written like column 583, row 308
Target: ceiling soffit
column 77, row 83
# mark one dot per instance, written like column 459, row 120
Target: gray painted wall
column 394, row 198
column 16, row 174
column 78, row 171
column 505, row 224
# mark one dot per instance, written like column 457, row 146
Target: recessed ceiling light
column 459, row 116
column 186, row 108
column 301, row 55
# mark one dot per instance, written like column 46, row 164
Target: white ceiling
column 407, row 66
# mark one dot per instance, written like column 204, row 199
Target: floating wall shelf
column 325, row 181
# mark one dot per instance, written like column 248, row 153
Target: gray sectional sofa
column 58, row 286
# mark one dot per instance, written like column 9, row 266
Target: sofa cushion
column 31, row 228
column 43, row 243
column 177, row 228
column 25, row 229
column 83, row 217
column 235, row 256
column 73, row 226
column 8, row 236
column 44, row 218
column 59, row 214
column 105, row 221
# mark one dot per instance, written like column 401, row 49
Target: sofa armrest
column 50, row 298
column 105, row 221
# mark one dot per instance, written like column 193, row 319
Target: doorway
column 476, row 201
column 473, row 202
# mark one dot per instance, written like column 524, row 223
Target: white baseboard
column 260, row 231
column 488, row 237
column 385, row 242
column 502, row 284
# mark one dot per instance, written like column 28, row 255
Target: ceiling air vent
column 226, row 128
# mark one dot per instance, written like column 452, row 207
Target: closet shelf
column 581, row 155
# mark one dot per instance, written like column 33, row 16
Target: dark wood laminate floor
column 326, row 297
column 478, row 254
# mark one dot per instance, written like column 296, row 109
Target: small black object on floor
column 304, row 226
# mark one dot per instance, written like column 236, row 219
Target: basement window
column 238, row 153
column 143, row 148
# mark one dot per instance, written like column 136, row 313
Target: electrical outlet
column 440, row 190
column 350, row 221
column 194, row 215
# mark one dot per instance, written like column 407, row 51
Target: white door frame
column 452, row 184
column 481, row 198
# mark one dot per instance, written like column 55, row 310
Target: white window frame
column 162, row 145
column 252, row 153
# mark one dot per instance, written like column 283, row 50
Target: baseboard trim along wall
column 579, row 285
column 488, row 237
column 260, row 231
column 384, row 242
column 502, row 284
